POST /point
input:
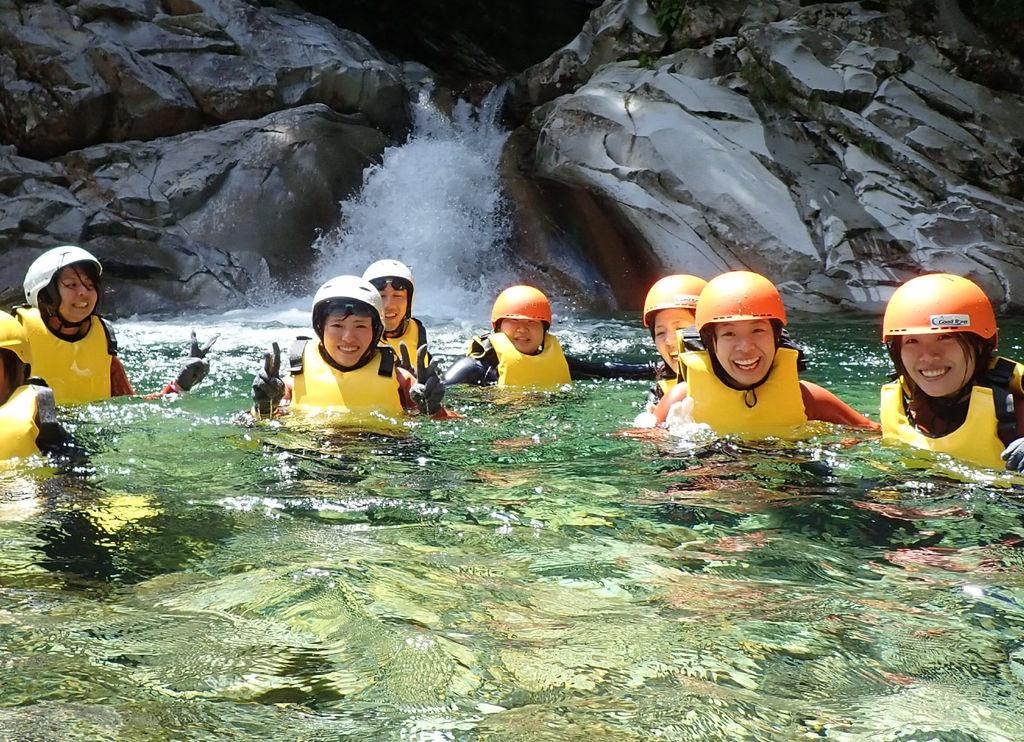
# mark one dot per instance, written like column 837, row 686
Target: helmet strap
column 707, row 337
column 65, row 324
column 345, row 369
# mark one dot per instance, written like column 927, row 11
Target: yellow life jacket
column 413, row 337
column 666, row 385
column 977, row 440
column 78, row 371
column 371, row 388
column 19, row 425
column 778, row 404
column 546, row 369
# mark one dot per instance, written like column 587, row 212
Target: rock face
column 111, row 72
column 838, row 148
column 196, row 145
column 201, row 219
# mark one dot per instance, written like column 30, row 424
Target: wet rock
column 205, row 219
column 109, row 72
column 832, row 147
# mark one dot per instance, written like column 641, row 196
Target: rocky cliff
column 839, row 148
column 198, row 146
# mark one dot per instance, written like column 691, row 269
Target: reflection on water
column 522, row 573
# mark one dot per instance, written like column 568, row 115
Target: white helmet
column 348, row 295
column 383, row 272
column 49, row 264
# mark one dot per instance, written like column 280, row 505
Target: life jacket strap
column 111, row 337
column 998, row 377
column 295, row 354
column 387, row 360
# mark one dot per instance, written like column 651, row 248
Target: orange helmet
column 739, row 295
column 679, row 291
column 521, row 302
column 939, row 302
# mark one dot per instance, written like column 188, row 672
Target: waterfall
column 435, row 204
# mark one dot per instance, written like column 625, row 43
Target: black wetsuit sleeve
column 579, row 369
column 471, row 370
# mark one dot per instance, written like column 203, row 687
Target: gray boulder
column 205, row 219
column 835, row 148
column 110, row 72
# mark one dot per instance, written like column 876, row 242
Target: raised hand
column 196, row 367
column 1014, row 455
column 404, row 361
column 268, row 386
column 428, row 391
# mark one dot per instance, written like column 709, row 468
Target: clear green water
column 524, row 573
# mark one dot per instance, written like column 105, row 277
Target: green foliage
column 647, row 60
column 670, row 14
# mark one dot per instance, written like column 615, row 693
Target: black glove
column 403, row 360
column 1013, row 455
column 428, row 391
column 268, row 386
column 195, row 368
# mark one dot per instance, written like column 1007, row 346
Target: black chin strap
column 367, row 355
column 65, row 323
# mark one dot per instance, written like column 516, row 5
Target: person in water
column 28, row 414
column 669, row 309
column 521, row 351
column 346, row 370
column 395, row 283
column 73, row 348
column 951, row 394
column 747, row 382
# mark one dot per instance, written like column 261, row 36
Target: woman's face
column 347, row 338
column 527, row 335
column 78, row 294
column 938, row 364
column 666, row 323
column 396, row 304
column 745, row 349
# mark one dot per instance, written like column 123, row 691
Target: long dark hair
column 49, row 297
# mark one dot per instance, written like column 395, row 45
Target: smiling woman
column 953, row 394
column 73, row 347
column 747, row 383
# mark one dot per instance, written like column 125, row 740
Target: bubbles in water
column 433, row 203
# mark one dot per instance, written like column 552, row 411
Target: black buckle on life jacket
column 998, row 377
column 295, row 352
column 387, row 361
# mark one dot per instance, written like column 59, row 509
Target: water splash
column 434, row 203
